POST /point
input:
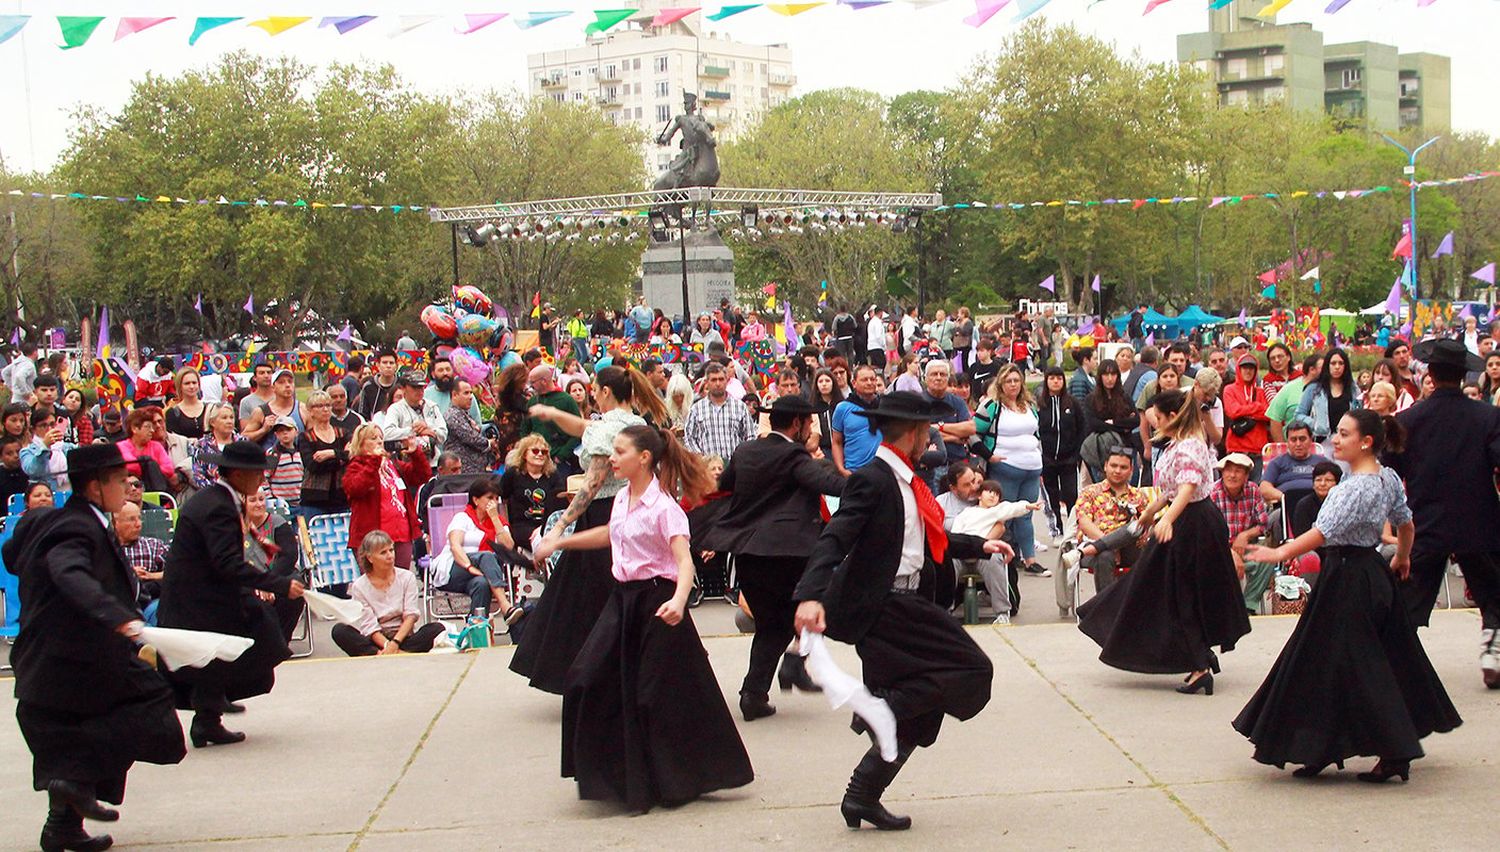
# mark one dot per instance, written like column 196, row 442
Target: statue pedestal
column 710, row 274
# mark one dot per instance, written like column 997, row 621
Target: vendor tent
column 1155, row 322
column 1333, row 317
column 1193, row 316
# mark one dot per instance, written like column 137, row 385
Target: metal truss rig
column 722, row 202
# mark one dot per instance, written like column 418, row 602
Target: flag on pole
column 1150, row 338
column 1409, row 275
column 347, row 334
column 1244, row 316
column 198, row 304
column 1095, row 285
column 250, row 305
column 1267, row 277
column 1485, row 273
column 1269, row 292
column 793, row 343
column 1393, row 301
column 102, row 350
column 1312, row 274
column 1087, row 326
column 1050, row 284
column 1403, row 245
column 536, row 304
column 15, row 337
column 1444, row 247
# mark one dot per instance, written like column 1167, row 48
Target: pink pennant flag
column 1095, row 285
column 984, row 10
column 667, row 17
column 198, row 304
column 1485, row 273
column 1268, row 277
column 1050, row 284
column 1425, row 2
column 131, row 26
column 1152, row 5
column 475, row 23
column 1218, row 199
column 250, row 305
column 1151, row 335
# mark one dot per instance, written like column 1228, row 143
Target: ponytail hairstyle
column 1384, row 432
column 682, row 472
column 1183, row 419
column 632, row 389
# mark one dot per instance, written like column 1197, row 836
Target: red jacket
column 1246, row 400
column 366, row 496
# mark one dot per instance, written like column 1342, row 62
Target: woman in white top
column 467, row 562
column 388, row 622
column 1006, row 424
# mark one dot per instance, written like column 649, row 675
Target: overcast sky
column 890, row 49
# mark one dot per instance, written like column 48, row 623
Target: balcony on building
column 715, row 95
column 557, row 82
column 783, row 80
column 609, row 74
column 608, row 98
column 713, row 71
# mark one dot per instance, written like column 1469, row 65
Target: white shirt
column 399, row 417
column 908, row 328
column 875, row 333
column 913, row 541
column 443, row 561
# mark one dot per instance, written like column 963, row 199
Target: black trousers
column 1481, row 572
column 767, row 582
column 356, row 644
column 1061, row 483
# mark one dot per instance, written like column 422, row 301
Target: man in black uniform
column 770, row 526
column 1449, row 460
column 86, row 703
column 871, row 581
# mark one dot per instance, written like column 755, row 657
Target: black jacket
column 208, row 584
column 773, row 507
column 853, row 565
column 77, row 587
column 1062, row 428
column 1452, row 450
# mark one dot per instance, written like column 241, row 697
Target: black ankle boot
column 79, row 797
column 866, row 785
column 754, row 707
column 793, row 672
column 210, row 730
column 64, row 831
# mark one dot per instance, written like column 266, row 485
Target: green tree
column 43, row 255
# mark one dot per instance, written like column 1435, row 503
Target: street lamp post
column 1410, row 170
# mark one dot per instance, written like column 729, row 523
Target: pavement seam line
column 412, row 758
column 1156, row 783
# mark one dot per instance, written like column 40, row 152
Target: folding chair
column 10, row 592
column 441, row 510
column 17, row 503
column 325, row 543
column 1075, row 577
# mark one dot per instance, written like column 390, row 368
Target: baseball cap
column 276, row 376
column 1247, row 358
column 284, row 420
column 413, row 379
column 1238, row 342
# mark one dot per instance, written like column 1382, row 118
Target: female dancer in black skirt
column 644, row 722
column 1353, row 679
column 1182, row 597
column 577, row 590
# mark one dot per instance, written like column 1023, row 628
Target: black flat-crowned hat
column 1450, row 353
column 794, row 405
column 239, row 455
column 92, row 457
column 905, row 405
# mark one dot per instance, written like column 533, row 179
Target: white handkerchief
column 193, row 648
column 330, row 608
column 841, row 688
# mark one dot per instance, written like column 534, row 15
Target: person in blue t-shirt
column 854, row 444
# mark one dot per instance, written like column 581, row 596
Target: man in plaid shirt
column 145, row 554
column 1244, row 510
column 717, row 423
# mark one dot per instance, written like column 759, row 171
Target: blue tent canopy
column 1193, row 316
column 1155, row 322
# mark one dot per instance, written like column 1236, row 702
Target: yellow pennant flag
column 1272, row 8
column 770, row 303
column 276, row 25
column 790, row 9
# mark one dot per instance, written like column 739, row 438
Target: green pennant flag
column 730, row 11
column 203, row 25
column 605, row 19
column 76, row 30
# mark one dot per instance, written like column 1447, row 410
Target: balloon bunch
column 462, row 328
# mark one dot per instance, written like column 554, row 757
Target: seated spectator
column 13, row 480
column 530, row 488
column 388, row 621
column 146, row 554
column 45, row 458
column 1326, row 474
column 1292, row 471
column 286, row 473
column 144, row 455
column 1244, row 511
column 76, row 418
column 220, row 434
column 987, row 517
column 271, row 545
column 39, row 496
column 1105, row 507
column 468, row 563
column 111, row 426
column 963, row 483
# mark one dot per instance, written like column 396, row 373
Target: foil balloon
column 472, row 299
column 469, row 366
column 439, row 322
column 475, row 329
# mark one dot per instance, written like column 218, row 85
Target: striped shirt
column 286, row 477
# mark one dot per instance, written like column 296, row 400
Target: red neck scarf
column 928, row 511
column 484, row 525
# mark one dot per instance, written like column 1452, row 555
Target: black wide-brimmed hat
column 794, row 405
column 1450, row 353
column 905, row 405
column 240, row 455
column 91, row 457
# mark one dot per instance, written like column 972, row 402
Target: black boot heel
column 793, row 673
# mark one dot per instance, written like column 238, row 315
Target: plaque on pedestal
column 710, row 274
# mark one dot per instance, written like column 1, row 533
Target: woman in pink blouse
column 644, row 722
column 1182, row 596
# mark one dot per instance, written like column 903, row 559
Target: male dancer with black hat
column 86, row 703
column 871, row 580
column 1452, row 448
column 209, row 585
column 770, row 526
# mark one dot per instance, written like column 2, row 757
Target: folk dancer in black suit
column 86, row 703
column 770, row 525
column 871, row 580
column 210, row 585
column 1452, row 451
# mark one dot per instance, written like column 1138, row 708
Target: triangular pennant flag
column 667, row 17
column 1393, row 301
column 475, row 23
column 12, row 24
column 1244, row 316
column 1444, row 247
column 1485, row 273
column 1270, row 9
column 1087, row 326
column 1403, row 245
column 347, row 334
column 1152, row 4
column 731, row 11
column 407, row 23
column 983, row 11
column 250, row 305
column 1317, row 287
column 198, row 304
column 1467, row 312
column 275, row 25
column 345, row 25
column 1150, row 338
column 102, row 350
column 203, row 25
column 1408, row 275
column 536, row 19
column 857, row 5
column 1049, row 284
column 790, row 9
column 1312, row 274
column 1095, row 285
column 605, row 19
column 1335, row 6
column 1027, row 8
column 1267, row 277
column 131, row 26
column 1269, row 292
column 1219, row 4
column 77, row 29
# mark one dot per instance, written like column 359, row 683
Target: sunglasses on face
column 537, row 451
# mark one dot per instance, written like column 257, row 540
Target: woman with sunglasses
column 530, row 488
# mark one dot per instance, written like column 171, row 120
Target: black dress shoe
column 1385, row 771
column 231, row 707
column 64, row 831
column 754, row 707
column 793, row 672
column 80, row 799
column 205, row 734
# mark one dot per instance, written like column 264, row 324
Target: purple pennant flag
column 1244, row 316
column 250, row 305
column 1485, row 273
column 347, row 334
column 1467, row 312
column 793, row 343
column 198, row 304
column 1095, row 285
column 1393, row 301
column 15, row 337
column 1150, row 338
column 1087, row 326
column 1444, row 247
column 102, row 349
column 1050, row 285
column 957, row 363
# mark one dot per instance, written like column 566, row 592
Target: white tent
column 1378, row 309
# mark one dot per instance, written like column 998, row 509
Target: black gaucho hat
column 240, row 455
column 92, row 457
column 1449, row 353
column 905, row 405
column 794, row 405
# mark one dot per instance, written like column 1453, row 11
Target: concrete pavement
column 455, row 752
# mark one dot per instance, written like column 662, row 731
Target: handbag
column 1242, row 426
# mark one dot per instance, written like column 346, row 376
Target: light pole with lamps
column 1410, row 170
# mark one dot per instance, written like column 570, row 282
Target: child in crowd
column 13, row 480
column 286, row 474
column 988, row 518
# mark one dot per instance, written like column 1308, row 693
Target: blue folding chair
column 325, row 546
column 17, row 503
column 10, row 591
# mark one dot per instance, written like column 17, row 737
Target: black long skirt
column 1180, row 598
column 1353, row 680
column 925, row 666
column 569, row 606
column 254, row 673
column 99, row 748
column 644, row 722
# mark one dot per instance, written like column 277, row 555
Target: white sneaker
column 1041, row 548
column 1489, row 657
column 1002, row 618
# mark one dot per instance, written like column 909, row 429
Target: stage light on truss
column 794, row 229
column 477, row 237
column 658, row 222
column 595, row 238
column 749, row 216
column 913, row 219
column 632, row 236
